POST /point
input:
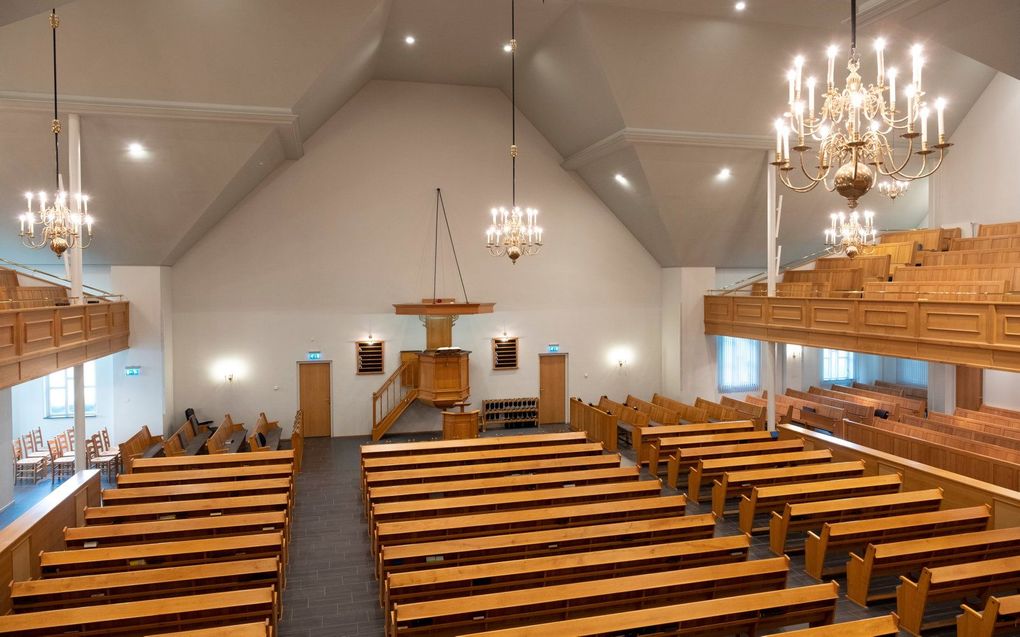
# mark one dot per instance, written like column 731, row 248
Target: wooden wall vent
column 504, row 352
column 369, row 356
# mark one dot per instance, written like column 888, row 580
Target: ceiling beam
column 630, row 136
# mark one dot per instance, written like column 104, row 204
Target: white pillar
column 772, row 271
column 75, row 272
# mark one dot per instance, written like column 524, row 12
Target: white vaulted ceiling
column 664, row 92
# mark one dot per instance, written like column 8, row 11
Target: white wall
column 688, row 355
column 317, row 255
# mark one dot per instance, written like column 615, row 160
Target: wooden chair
column 97, row 458
column 900, row 558
column 61, row 465
column 960, row 581
column 107, row 448
column 26, row 467
column 1001, row 616
column 33, row 444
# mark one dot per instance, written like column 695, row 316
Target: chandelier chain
column 54, row 23
column 513, row 102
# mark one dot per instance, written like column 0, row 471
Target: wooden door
column 315, row 398
column 552, row 388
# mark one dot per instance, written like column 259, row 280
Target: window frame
column 726, row 383
column 68, row 389
column 850, row 362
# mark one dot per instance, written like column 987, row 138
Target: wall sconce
column 229, row 377
column 620, row 356
column 793, row 352
column 228, row 370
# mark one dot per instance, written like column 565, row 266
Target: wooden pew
column 297, row 440
column 1006, row 228
column 750, row 411
column 995, row 256
column 660, row 448
column 104, row 535
column 390, row 450
column 784, row 411
column 468, row 526
column 684, row 460
column 963, row 423
column 999, row 416
column 74, row 562
column 490, row 470
column 1001, row 616
column 734, row 484
column 929, row 239
column 901, row 253
column 809, row 516
column 897, row 558
column 1004, row 437
column 707, row 470
column 874, row 404
column 845, row 537
column 960, row 581
column 597, row 425
column 840, row 280
column 875, row 267
column 228, row 437
column 908, row 390
column 860, row 413
column 267, row 434
column 903, row 404
column 767, row 499
column 687, row 413
column 985, row 243
column 256, row 458
column 511, row 501
column 717, row 411
column 171, row 493
column 656, row 413
column 423, row 461
column 628, row 419
column 191, row 476
column 154, row 583
column 449, row 617
column 187, row 440
column 750, row 614
column 884, row 626
column 1010, row 414
column 521, row 482
column 141, row 444
column 256, row 629
column 645, row 435
column 492, row 577
column 209, row 610
column 962, row 274
column 804, row 289
column 186, row 509
column 803, row 412
column 507, row 547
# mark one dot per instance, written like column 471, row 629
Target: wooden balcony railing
column 977, row 334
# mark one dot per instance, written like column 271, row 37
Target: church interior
column 617, row 318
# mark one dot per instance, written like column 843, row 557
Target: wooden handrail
column 394, row 394
column 389, row 381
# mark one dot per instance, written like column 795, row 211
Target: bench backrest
column 876, row 267
column 656, row 413
column 929, row 239
column 690, row 413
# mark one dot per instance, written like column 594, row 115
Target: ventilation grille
column 369, row 357
column 504, row 353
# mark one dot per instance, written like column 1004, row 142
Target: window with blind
column 837, row 365
column 910, row 372
column 738, row 361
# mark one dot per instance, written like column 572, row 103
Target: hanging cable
column 513, row 104
column 435, row 254
column 55, row 125
column 439, row 196
column 853, row 25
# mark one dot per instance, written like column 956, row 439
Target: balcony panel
column 719, row 308
column 71, row 324
column 67, row 358
column 1007, row 325
column 38, row 331
column 887, row 318
column 836, row 315
column 788, row 312
column 970, row 322
column 749, row 309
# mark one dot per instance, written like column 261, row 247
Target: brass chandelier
column 893, row 188
column 851, row 235
column 855, row 128
column 62, row 227
column 514, row 231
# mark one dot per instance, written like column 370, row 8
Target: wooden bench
column 104, row 535
column 1001, row 616
column 809, row 516
column 960, row 581
column 74, row 562
column 186, row 509
column 908, row 390
column 511, row 501
column 209, row 610
column 929, row 239
column 684, row 460
column 962, row 274
column 424, row 461
column 255, row 458
column 898, row 558
column 875, row 405
column 267, row 434
column 985, row 243
column 875, row 267
column 502, row 484
column 717, row 411
column 643, row 436
column 154, row 583
column 741, row 614
column 657, row 414
column 228, row 437
column 191, row 476
column 660, row 448
column 256, row 629
column 735, row 484
column 1005, row 228
column 687, row 413
column 901, row 253
column 493, row 577
column 800, row 289
column 768, row 499
column 860, row 413
column 884, row 626
column 188, row 440
column 467, row 526
column 175, row 492
column 809, row 413
column 141, row 445
column 757, row 414
column 707, row 469
column 391, row 450
column 597, row 425
column 961, row 291
column 628, row 419
column 487, row 611
column 845, row 537
column 506, row 547
column 904, row 404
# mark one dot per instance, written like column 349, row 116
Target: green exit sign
column 315, row 356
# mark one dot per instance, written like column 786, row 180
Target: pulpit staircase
column 394, row 397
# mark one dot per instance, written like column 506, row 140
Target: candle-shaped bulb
column 831, row 53
column 940, row 109
column 924, row 125
column 791, row 78
column 811, row 96
column 918, row 61
column 42, row 199
column 798, row 66
column 892, row 88
column 880, row 59
column 879, row 44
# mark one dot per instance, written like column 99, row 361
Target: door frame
column 566, row 381
column 297, row 387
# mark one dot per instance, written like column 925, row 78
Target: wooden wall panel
column 98, row 323
column 38, row 332
column 38, row 366
column 70, row 326
column 887, row 319
column 749, row 309
column 66, row 358
column 788, row 314
column 832, row 314
column 8, row 336
column 970, row 322
column 969, row 387
column 719, row 308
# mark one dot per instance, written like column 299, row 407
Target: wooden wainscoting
column 977, row 334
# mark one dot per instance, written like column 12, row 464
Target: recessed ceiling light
column 410, row 39
column 136, row 150
column 620, row 179
column 724, row 174
column 507, row 47
column 740, row 6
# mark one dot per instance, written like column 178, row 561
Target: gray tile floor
column 331, row 587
